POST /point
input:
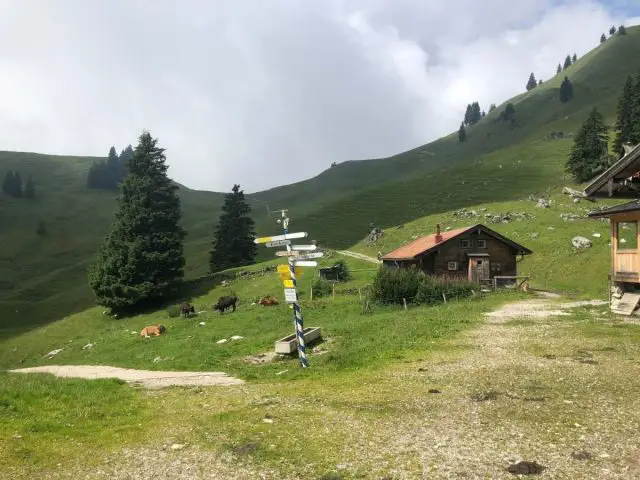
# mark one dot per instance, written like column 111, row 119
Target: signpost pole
column 296, row 305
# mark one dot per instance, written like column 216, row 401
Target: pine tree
column 29, row 189
column 476, row 113
column 7, row 183
column 483, row 114
column 622, row 30
column 566, row 90
column 612, row 30
column 142, row 259
column 624, row 122
column 559, row 69
column 532, row 83
column 589, row 153
column 574, row 59
column 540, row 82
column 603, row 38
column 16, row 187
column 492, row 107
column 467, row 115
column 233, row 238
column 462, row 134
column 634, row 137
column 567, row 62
column 509, row 111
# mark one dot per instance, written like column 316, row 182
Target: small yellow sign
column 288, row 283
column 287, row 275
column 283, row 268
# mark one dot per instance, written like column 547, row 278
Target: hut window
column 452, row 266
column 627, row 234
column 496, row 267
column 482, row 244
column 466, row 243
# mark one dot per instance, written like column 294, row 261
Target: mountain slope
column 44, row 277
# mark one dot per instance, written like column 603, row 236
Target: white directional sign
column 278, row 243
column 309, row 256
column 275, row 238
column 304, row 247
column 305, row 263
column 290, row 295
column 285, row 253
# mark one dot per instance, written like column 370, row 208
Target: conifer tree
column 567, row 62
column 16, row 187
column 540, row 82
column 612, row 30
column 603, row 38
column 589, row 153
column 467, row 115
column 141, row 261
column 622, row 30
column 233, row 237
column 624, row 122
column 29, row 189
column 462, row 134
column 574, row 59
column 559, row 69
column 634, row 137
column 475, row 113
column 566, row 90
column 7, row 183
column 532, row 83
column 492, row 107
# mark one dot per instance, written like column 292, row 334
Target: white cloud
column 266, row 93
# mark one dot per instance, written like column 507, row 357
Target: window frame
column 463, row 241
column 455, row 264
column 483, row 241
column 621, row 247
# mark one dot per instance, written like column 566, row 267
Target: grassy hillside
column 44, row 277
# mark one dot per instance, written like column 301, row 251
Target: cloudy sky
column 267, row 92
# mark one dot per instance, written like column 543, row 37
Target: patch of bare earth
column 145, row 378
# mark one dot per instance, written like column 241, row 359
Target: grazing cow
column 152, row 330
column 268, row 301
column 186, row 309
column 226, row 302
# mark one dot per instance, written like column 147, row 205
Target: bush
column 321, row 288
column 343, row 271
column 173, row 311
column 392, row 285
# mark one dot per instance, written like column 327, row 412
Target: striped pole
column 296, row 306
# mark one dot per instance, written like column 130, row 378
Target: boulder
column 581, row 242
column 543, row 203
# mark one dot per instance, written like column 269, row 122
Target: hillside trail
column 359, row 256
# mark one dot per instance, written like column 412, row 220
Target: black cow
column 186, row 309
column 226, row 302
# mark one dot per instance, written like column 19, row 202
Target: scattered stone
column 581, row 242
column 237, row 337
column 157, row 359
column 569, row 217
column 534, row 399
column 581, row 455
column 484, row 396
column 375, row 235
column 17, row 436
column 133, row 333
column 53, row 353
column 549, row 356
column 224, row 340
column 88, row 346
column 202, row 324
column 177, row 446
column 267, row 419
column 604, row 455
column 262, row 358
column 422, row 369
column 550, row 228
column 597, row 235
column 282, row 372
column 589, row 361
column 434, row 390
column 399, row 227
column 535, row 235
column 526, row 468
column 543, row 203
column 201, row 312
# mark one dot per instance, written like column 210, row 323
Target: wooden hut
column 476, row 253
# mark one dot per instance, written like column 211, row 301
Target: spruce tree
column 492, row 107
column 29, row 189
column 16, row 187
column 624, row 122
column 540, row 82
column 589, row 153
column 622, row 30
column 566, row 90
column 476, row 113
column 462, row 134
column 141, row 261
column 612, row 30
column 467, row 115
column 532, row 83
column 7, row 183
column 567, row 62
column 603, row 38
column 559, row 69
column 574, row 59
column 634, row 137
column 233, row 237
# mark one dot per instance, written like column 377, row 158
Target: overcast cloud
column 267, row 92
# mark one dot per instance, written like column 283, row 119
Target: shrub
column 432, row 288
column 173, row 311
column 343, row 271
column 321, row 288
column 392, row 285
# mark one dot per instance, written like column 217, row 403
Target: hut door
column 479, row 269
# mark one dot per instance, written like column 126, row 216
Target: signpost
column 288, row 274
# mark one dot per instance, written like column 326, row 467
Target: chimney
column 438, row 236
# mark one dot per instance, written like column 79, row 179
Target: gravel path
column 359, row 256
column 145, row 378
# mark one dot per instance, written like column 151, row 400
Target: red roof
column 420, row 245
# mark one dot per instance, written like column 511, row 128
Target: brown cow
column 268, row 301
column 152, row 330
